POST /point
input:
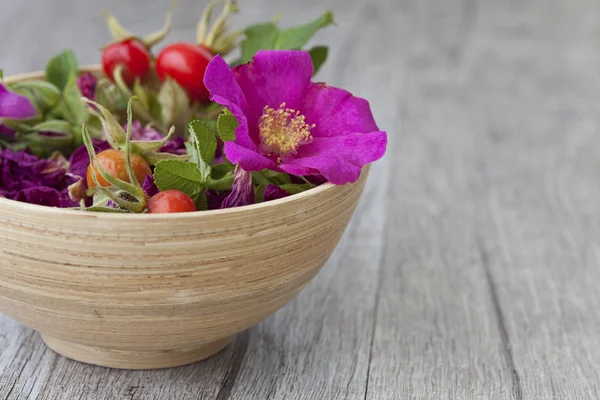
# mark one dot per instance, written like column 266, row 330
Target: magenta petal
column 339, row 159
column 275, row 77
column 224, row 90
column 274, row 192
column 41, row 195
column 149, row 186
column 15, row 106
column 336, row 112
column 87, row 85
column 242, row 191
column 248, row 159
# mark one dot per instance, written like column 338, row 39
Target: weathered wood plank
column 437, row 335
column 539, row 221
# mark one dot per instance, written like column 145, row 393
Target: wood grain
column 469, row 270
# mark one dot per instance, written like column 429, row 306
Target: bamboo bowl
column 156, row 291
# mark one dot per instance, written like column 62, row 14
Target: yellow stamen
column 283, row 130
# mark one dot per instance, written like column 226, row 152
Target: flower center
column 283, row 130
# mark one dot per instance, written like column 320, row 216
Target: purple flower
column 144, row 133
column 15, row 106
column 215, row 199
column 242, row 191
column 80, row 159
column 24, row 177
column 149, row 186
column 274, row 192
column 290, row 124
column 87, row 85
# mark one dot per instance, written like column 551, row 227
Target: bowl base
column 126, row 359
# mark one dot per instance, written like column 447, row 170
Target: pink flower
column 287, row 123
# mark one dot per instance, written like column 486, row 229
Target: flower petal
column 79, row 160
column 87, row 85
column 274, row 192
column 43, row 196
column 336, row 112
column 242, row 191
column 149, row 186
column 274, row 77
column 224, row 89
column 15, row 106
column 248, row 159
column 340, row 158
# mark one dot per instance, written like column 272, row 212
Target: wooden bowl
column 154, row 291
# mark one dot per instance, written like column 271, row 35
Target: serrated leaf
column 178, row 175
column 60, row 68
column 226, row 124
column 296, row 37
column 258, row 37
column 173, row 101
column 318, row 54
column 204, row 145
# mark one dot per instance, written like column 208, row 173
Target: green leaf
column 70, row 106
column 261, row 36
column 204, row 145
column 295, row 38
column 109, row 95
column 43, row 94
column 154, row 107
column 226, row 124
column 276, row 178
column 60, row 68
column 268, row 36
column 56, row 126
column 294, row 188
column 259, row 193
column 139, row 91
column 318, row 55
column 221, row 170
column 201, row 201
column 43, row 145
column 178, row 175
column 173, row 101
column 113, row 130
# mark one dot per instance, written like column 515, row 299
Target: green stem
column 132, row 177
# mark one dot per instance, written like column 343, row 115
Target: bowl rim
column 27, row 207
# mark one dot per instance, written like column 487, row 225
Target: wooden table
column 471, row 268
